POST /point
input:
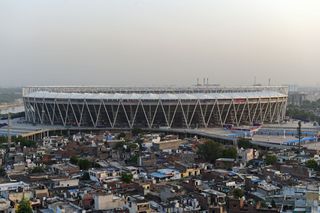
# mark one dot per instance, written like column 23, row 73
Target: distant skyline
column 155, row 43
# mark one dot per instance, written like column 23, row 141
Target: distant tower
column 269, row 83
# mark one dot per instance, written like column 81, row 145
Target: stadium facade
column 190, row 107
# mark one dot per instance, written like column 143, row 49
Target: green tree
column 312, row 164
column 2, row 172
column 126, row 177
column 263, row 204
column 230, row 152
column 238, row 193
column 139, row 142
column 121, row 135
column 210, row 151
column 132, row 146
column 24, row 206
column 28, row 143
column 84, row 164
column 136, row 131
column 245, row 143
column 271, row 159
column 133, row 160
column 37, row 169
column 74, row 160
column 119, row 145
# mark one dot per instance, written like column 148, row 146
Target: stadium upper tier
column 153, row 107
column 143, row 90
column 155, row 96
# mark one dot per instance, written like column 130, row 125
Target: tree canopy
column 83, row 164
column 24, row 207
column 37, row 169
column 308, row 111
column 230, row 152
column 127, row 177
column 136, row 131
column 312, row 164
column 271, row 159
column 238, row 193
column 210, row 151
column 246, row 144
column 21, row 140
column 2, row 172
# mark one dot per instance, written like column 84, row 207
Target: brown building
column 225, row 163
column 296, row 171
column 241, row 206
column 167, row 144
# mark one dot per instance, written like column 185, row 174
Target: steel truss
column 154, row 113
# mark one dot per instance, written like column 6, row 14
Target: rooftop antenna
column 207, row 81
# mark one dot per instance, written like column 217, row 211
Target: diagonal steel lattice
column 147, row 108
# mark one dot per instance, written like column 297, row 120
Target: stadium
column 154, row 107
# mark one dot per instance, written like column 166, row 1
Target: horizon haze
column 154, row 43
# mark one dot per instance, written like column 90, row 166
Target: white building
column 100, row 175
column 103, row 201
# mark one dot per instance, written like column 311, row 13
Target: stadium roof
column 155, row 96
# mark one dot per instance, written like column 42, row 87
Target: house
column 41, row 192
column 225, row 163
column 6, row 188
column 166, row 174
column 138, row 204
column 4, row 205
column 62, row 207
column 216, row 197
column 109, row 173
column 245, row 155
column 65, row 182
column 297, row 171
column 66, row 169
column 107, row 201
column 132, row 170
column 167, row 144
column 187, row 169
column 242, row 206
column 265, row 190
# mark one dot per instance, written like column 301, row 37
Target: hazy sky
column 159, row 42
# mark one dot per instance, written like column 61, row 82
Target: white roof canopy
column 155, row 96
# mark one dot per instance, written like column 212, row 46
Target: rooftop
column 152, row 95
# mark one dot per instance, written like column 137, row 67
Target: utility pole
column 8, row 140
column 299, row 134
column 9, row 129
